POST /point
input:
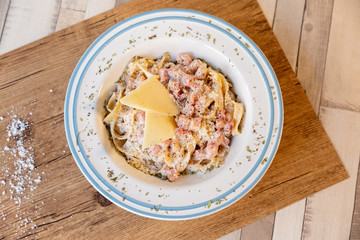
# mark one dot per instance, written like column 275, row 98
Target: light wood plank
column 355, row 226
column 119, row 2
column 96, row 7
column 268, row 7
column 287, row 27
column 313, row 48
column 78, row 5
column 261, row 229
column 235, row 235
column 289, row 221
column 311, row 65
column 68, row 17
column 342, row 85
column 4, row 7
column 27, row 21
column 328, row 213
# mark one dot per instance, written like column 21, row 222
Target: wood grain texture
column 313, row 48
column 261, row 229
column 287, row 27
column 355, row 225
column 328, row 213
column 68, row 17
column 289, row 222
column 80, row 212
column 341, row 87
column 268, row 7
column 95, row 7
column 4, row 7
column 27, row 21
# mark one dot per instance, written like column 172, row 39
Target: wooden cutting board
column 34, row 79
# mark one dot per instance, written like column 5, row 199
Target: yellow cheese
column 158, row 128
column 151, row 95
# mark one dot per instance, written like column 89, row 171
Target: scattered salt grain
column 17, row 127
column 21, row 178
column 50, row 90
column 1, row 118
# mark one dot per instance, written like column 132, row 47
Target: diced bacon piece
column 164, row 76
column 174, row 87
column 140, row 116
column 183, row 122
column 187, row 80
column 225, row 122
column 195, row 124
column 221, row 139
column 211, row 150
column 193, row 66
column 201, row 71
column 172, row 175
column 155, row 149
column 188, row 110
column 187, row 123
column 175, row 72
column 181, row 132
column 184, row 59
column 199, row 154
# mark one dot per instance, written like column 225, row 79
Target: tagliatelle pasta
column 209, row 117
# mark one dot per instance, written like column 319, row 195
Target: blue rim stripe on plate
column 174, row 208
column 166, row 216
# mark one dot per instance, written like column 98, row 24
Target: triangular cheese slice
column 151, row 95
column 158, row 128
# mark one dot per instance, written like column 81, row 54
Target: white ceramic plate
column 176, row 31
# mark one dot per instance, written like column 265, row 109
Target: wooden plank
column 95, row 7
column 4, row 7
column 341, row 86
column 289, row 221
column 68, row 17
column 288, row 180
column 119, row 2
column 310, row 71
column 313, row 48
column 287, row 27
column 27, row 21
column 77, row 5
column 261, row 229
column 355, row 225
column 328, row 213
column 268, row 7
column 232, row 236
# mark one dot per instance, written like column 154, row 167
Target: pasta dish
column 208, row 116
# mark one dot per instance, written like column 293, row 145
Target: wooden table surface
column 320, row 40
